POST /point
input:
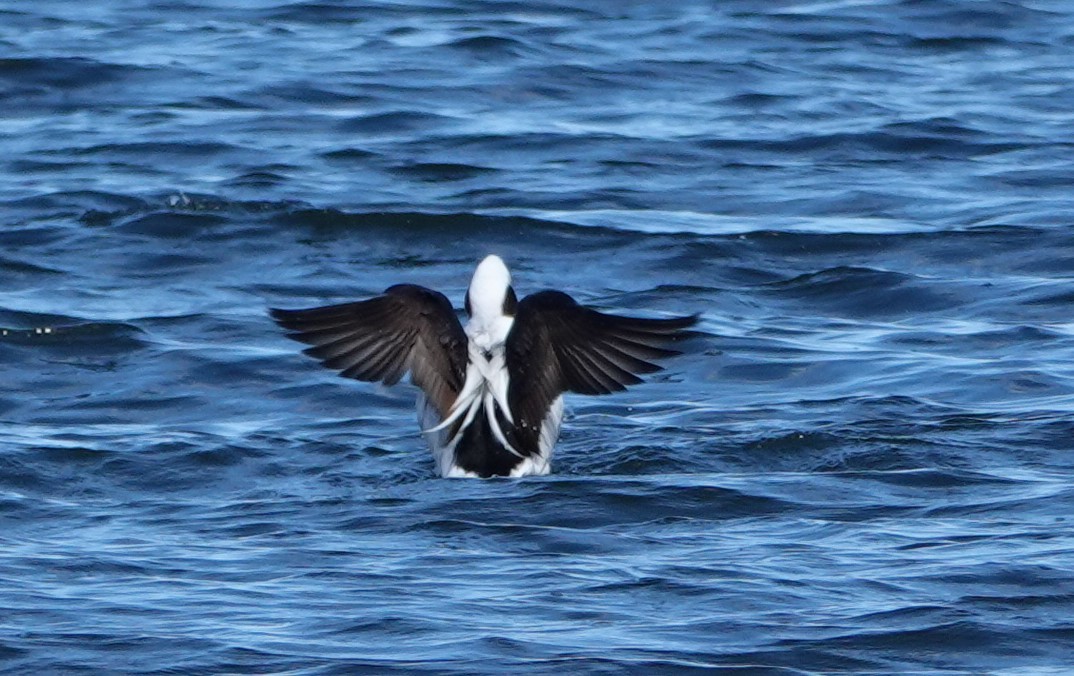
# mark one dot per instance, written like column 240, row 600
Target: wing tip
column 288, row 319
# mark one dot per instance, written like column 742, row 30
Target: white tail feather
column 472, row 389
column 490, row 411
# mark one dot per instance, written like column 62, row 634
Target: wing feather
column 556, row 346
column 406, row 329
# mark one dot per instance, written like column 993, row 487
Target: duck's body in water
column 491, row 399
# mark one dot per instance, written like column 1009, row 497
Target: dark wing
column 557, row 345
column 409, row 328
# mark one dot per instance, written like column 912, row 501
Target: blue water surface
column 863, row 464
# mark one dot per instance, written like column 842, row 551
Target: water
column 863, row 465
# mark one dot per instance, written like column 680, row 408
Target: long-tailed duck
column 491, row 393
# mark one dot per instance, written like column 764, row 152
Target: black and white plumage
column 491, row 399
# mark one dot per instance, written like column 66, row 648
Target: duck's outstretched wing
column 556, row 346
column 407, row 329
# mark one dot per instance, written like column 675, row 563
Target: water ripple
column 861, row 462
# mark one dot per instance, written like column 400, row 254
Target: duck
column 490, row 392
